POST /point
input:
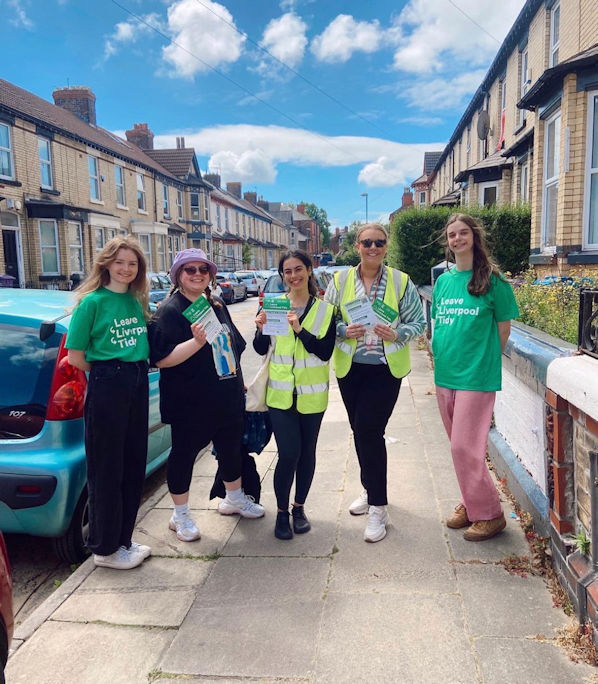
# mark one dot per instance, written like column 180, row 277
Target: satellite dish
column 483, row 124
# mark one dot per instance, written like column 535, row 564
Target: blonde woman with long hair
column 107, row 338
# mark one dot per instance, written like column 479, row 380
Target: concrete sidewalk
column 421, row 606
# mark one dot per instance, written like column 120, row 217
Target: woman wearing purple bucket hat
column 201, row 388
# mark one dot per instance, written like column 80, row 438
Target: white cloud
column 126, row 32
column 421, row 120
column 201, row 31
column 285, row 38
column 344, row 36
column 17, row 15
column 440, row 94
column 432, row 34
column 253, row 100
column 251, row 153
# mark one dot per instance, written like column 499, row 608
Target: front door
column 9, row 241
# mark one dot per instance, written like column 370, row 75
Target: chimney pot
column 141, row 136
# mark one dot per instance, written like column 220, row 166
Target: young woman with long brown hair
column 108, row 337
column 472, row 308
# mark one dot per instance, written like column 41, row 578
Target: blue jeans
column 116, row 423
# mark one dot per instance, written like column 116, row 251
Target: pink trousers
column 466, row 416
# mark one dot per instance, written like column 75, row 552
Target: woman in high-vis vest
column 297, row 393
column 370, row 361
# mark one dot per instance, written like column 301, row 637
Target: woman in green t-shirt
column 472, row 308
column 107, row 337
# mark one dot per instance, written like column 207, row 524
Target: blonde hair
column 367, row 226
column 100, row 276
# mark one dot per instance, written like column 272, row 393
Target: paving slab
column 526, row 661
column 276, row 604
column 394, row 638
column 75, row 653
column 215, row 531
column 498, row 604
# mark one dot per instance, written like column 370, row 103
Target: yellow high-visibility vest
column 293, row 370
column 397, row 354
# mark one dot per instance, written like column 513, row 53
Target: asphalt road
column 37, row 572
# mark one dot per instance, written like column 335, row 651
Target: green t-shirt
column 109, row 325
column 466, row 344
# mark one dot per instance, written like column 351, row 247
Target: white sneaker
column 144, row 550
column 184, row 526
column 360, row 506
column 121, row 559
column 246, row 507
column 375, row 530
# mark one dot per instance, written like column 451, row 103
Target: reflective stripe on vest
column 396, row 354
column 293, row 370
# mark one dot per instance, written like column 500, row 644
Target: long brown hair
column 100, row 276
column 483, row 264
column 305, row 259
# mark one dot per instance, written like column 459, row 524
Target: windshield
column 27, row 366
column 274, row 284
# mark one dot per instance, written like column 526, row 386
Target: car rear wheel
column 71, row 548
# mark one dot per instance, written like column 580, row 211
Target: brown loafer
column 485, row 529
column 458, row 518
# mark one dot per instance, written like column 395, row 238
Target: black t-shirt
column 193, row 388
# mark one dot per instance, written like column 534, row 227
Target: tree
column 321, row 217
column 246, row 254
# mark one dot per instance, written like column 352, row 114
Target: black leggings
column 296, row 437
column 190, row 437
column 370, row 393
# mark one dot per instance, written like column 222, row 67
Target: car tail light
column 254, row 281
column 260, row 299
column 225, row 283
column 67, row 392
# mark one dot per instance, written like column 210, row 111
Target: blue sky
column 300, row 100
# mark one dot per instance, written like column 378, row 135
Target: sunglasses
column 366, row 242
column 192, row 270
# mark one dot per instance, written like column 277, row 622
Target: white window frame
column 141, row 194
column 218, row 216
column 45, row 163
column 179, row 203
column 94, row 178
column 145, row 240
column 524, row 181
column 554, row 39
column 165, row 201
column 206, row 207
column 48, row 246
column 482, row 187
column 591, row 171
column 524, row 82
column 161, row 255
column 78, row 246
column 553, row 181
column 422, row 198
column 121, row 195
column 9, row 155
column 99, row 238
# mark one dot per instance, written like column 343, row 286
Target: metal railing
column 587, row 330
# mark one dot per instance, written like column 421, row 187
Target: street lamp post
column 364, row 194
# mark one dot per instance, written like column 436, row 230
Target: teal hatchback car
column 42, row 456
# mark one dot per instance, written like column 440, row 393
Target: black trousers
column 296, row 437
column 189, row 437
column 116, row 422
column 370, row 393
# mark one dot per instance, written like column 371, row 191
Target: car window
column 27, row 366
column 274, row 284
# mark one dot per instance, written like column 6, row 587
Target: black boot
column 300, row 521
column 282, row 529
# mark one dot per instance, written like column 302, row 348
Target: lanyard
column 371, row 295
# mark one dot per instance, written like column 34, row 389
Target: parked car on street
column 6, row 607
column 274, row 286
column 42, row 455
column 253, row 281
column 159, row 286
column 233, row 288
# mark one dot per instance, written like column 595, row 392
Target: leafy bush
column 553, row 308
column 416, row 237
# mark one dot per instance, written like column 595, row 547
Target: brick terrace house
column 421, row 185
column 530, row 134
column 67, row 186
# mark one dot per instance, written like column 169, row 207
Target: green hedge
column 415, row 245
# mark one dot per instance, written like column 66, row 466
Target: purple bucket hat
column 186, row 256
